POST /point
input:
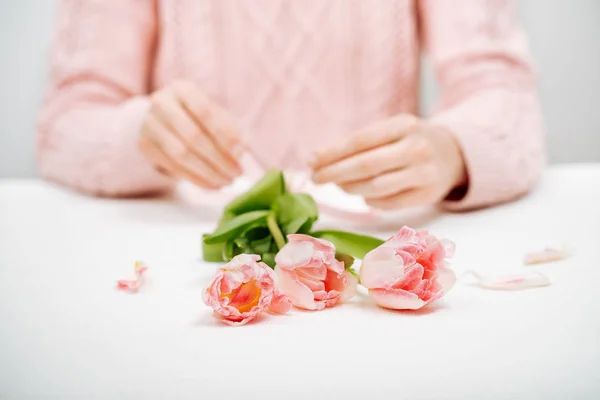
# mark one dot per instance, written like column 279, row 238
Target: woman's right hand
column 185, row 135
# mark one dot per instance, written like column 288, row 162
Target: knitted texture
column 292, row 73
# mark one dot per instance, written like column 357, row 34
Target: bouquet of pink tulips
column 275, row 260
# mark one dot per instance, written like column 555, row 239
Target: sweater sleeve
column 99, row 78
column 488, row 96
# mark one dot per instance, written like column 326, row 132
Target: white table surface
column 66, row 332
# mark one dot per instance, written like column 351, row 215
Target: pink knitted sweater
column 292, row 73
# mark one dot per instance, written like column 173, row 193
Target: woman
column 145, row 92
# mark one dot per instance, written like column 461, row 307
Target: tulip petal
column 404, row 234
column 396, row 299
column 423, row 290
column 242, row 260
column 318, row 244
column 242, row 289
column 335, row 281
column 449, row 247
column 332, row 298
column 314, row 284
column 446, row 278
column 280, row 304
column 351, row 286
column 412, row 278
column 294, row 254
column 435, row 252
column 409, row 270
column 546, row 255
column 309, row 274
column 518, row 281
column 299, row 294
column 336, row 266
column 318, row 271
column 133, row 285
column 245, row 297
column 235, row 275
column 382, row 267
column 233, row 321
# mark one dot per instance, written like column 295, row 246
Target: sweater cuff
column 484, row 162
column 141, row 175
column 105, row 159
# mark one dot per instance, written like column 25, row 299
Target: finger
column 177, row 151
column 391, row 183
column 377, row 161
column 174, row 116
column 375, row 135
column 214, row 120
column 411, row 198
column 158, row 160
column 167, row 166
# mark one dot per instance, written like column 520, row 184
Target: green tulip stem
column 275, row 231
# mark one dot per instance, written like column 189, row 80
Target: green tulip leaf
column 258, row 221
column 349, row 243
column 232, row 228
column 296, row 212
column 257, row 232
column 229, row 251
column 269, row 259
column 261, row 246
column 213, row 252
column 260, row 196
column 346, row 259
column 241, row 242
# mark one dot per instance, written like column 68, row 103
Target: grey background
column 564, row 36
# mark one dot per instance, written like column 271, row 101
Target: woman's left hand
column 396, row 163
